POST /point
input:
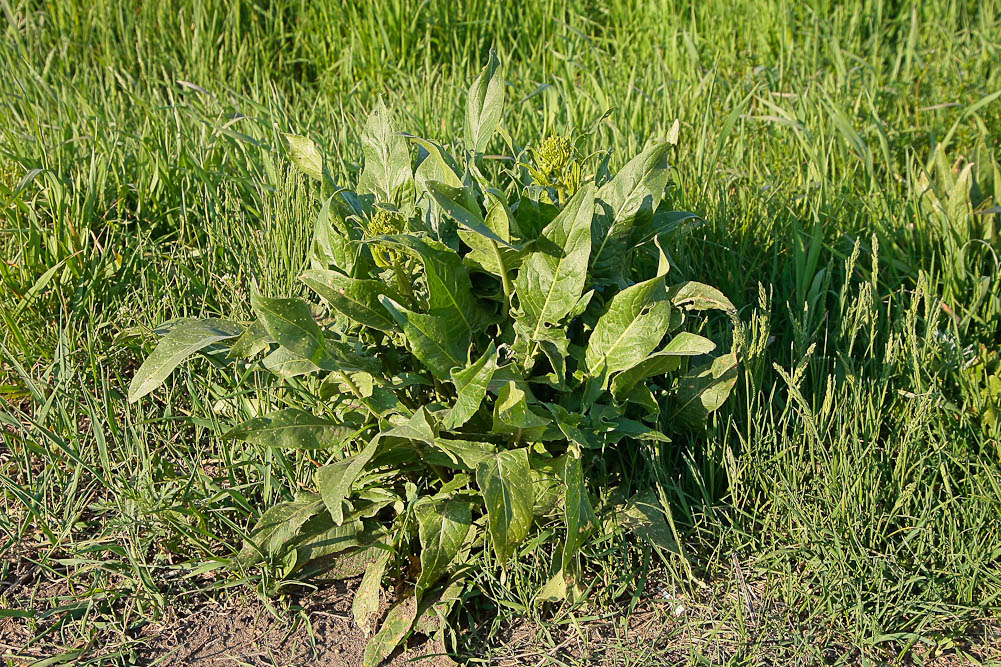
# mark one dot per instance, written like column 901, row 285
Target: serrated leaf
column 471, row 386
column 484, row 106
column 551, row 278
column 357, row 299
column 387, row 158
column 334, row 480
column 663, row 361
column 291, row 323
column 366, row 599
column 442, row 528
column 630, row 329
column 304, row 155
column 396, row 627
column 506, row 484
column 434, row 340
column 279, row 525
column 626, row 202
column 291, row 428
column 183, row 340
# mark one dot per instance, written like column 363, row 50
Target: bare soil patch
column 243, row 631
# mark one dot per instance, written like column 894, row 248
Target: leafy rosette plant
column 494, row 327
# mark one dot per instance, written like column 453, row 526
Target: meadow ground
column 844, row 507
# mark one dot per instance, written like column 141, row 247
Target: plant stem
column 505, row 281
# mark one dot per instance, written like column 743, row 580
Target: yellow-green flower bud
column 556, row 165
column 381, row 223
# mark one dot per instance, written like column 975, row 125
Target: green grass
column 852, row 476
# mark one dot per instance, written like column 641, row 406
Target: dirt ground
column 244, row 632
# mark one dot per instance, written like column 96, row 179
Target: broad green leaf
column 399, row 620
column 626, row 202
column 551, row 278
column 450, row 291
column 699, row 296
column 284, row 364
column 663, row 361
column 513, row 414
column 662, row 222
column 321, row 537
column 291, row 323
column 484, row 106
column 644, row 516
column 506, row 484
column 335, row 242
column 304, row 155
column 471, row 386
column 279, row 525
column 442, row 527
column 254, row 340
column 630, row 329
column 357, row 299
column 555, row 589
column 498, row 259
column 387, row 158
column 183, row 340
column 704, row 390
column 449, row 199
column 436, row 604
column 578, row 512
column 334, row 480
column 418, row 428
column 437, row 166
column 459, row 454
column 366, row 599
column 291, row 428
column 434, row 340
